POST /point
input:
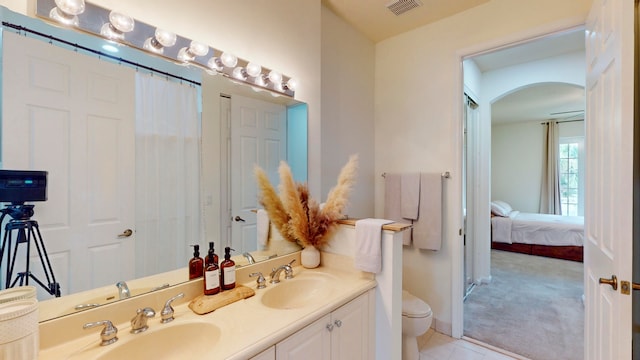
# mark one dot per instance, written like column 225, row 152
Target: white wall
column 418, row 96
column 516, row 161
column 347, row 109
column 516, row 150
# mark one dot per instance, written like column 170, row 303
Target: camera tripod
column 25, row 231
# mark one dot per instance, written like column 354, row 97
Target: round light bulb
column 215, row 64
column 228, row 60
column 71, row 7
column 292, row 84
column 239, row 73
column 198, row 48
column 121, row 22
column 165, row 38
column 275, row 77
column 253, row 69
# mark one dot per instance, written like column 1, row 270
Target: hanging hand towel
column 262, row 228
column 368, row 247
column 409, row 196
column 427, row 230
column 392, row 203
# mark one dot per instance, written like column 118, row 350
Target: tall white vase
column 310, row 257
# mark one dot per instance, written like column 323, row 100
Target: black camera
column 18, row 186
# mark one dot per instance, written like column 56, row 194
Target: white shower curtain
column 167, row 174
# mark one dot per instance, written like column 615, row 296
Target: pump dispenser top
column 211, row 255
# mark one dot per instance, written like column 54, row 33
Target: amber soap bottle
column 211, row 277
column 196, row 264
column 211, row 252
column 228, row 269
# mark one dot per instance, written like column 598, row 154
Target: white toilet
column 416, row 320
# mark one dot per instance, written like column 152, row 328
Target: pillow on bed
column 501, row 208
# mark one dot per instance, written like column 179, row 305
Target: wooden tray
column 204, row 304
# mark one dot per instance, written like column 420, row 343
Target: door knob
column 613, row 282
column 238, row 218
column 126, row 233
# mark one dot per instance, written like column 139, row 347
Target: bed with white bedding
column 537, row 234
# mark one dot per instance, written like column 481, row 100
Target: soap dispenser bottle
column 211, row 277
column 211, row 252
column 228, row 269
column 196, row 264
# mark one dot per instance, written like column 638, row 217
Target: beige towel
column 262, row 228
column 427, row 230
column 368, row 249
column 409, row 195
column 392, row 210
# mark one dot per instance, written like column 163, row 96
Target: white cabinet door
column 345, row 334
column 310, row 343
column 269, row 354
column 350, row 335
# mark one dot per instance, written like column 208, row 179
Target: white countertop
column 247, row 326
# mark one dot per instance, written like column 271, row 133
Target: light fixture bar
column 95, row 19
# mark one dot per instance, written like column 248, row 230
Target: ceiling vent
column 400, row 7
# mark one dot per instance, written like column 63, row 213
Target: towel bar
column 446, row 175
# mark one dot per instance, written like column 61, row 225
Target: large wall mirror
column 141, row 163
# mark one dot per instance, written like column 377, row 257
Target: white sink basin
column 306, row 290
column 189, row 340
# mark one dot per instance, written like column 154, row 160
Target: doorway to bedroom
column 526, row 297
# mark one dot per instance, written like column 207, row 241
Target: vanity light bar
column 119, row 28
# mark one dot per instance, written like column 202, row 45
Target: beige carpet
column 532, row 307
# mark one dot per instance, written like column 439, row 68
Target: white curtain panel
column 167, row 174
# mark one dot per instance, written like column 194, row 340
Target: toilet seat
column 413, row 307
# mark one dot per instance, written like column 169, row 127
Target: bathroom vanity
column 323, row 313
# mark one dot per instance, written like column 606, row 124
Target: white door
column 609, row 181
column 73, row 116
column 258, row 136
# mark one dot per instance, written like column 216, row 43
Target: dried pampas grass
column 296, row 214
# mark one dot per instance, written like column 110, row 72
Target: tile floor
column 436, row 346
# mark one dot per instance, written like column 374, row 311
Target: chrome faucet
column 109, row 333
column 167, row 311
column 139, row 322
column 123, row 290
column 288, row 272
column 249, row 258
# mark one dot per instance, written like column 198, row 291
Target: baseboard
column 442, row 327
column 484, row 280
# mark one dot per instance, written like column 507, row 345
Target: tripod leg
column 54, row 287
column 12, row 261
column 6, row 247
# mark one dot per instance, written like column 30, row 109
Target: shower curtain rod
column 97, row 52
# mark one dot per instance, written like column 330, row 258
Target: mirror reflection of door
column 72, row 116
column 258, row 137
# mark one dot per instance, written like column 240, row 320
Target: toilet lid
column 413, row 306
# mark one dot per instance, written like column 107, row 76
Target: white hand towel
column 262, row 228
column 409, row 196
column 368, row 247
column 427, row 230
column 392, row 203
